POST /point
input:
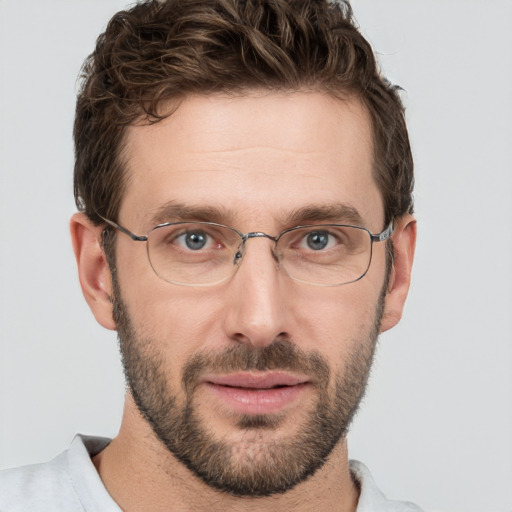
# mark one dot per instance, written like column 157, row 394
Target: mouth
column 257, row 393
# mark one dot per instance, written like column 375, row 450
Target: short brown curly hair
column 163, row 50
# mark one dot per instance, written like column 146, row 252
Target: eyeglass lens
column 204, row 254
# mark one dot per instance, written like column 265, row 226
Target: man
column 244, row 181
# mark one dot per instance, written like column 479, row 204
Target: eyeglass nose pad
column 277, row 258
column 237, row 258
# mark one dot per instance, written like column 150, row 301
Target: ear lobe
column 93, row 270
column 404, row 244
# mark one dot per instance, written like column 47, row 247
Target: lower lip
column 257, row 401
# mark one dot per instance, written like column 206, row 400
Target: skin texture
column 254, row 160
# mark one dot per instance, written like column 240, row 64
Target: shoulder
column 57, row 485
column 37, row 487
column 371, row 498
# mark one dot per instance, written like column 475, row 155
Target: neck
column 141, row 474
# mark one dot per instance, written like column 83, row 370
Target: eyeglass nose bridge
column 253, row 234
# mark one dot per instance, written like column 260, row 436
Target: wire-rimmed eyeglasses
column 207, row 253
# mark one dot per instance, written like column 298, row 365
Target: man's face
column 250, row 383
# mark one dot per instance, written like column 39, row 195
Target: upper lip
column 264, row 380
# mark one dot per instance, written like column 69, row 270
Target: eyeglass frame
column 374, row 237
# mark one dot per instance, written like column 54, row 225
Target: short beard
column 257, row 465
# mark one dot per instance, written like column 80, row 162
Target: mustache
column 279, row 355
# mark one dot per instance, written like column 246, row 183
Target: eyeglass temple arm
column 133, row 236
column 384, row 235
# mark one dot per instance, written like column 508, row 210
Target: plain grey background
column 436, row 425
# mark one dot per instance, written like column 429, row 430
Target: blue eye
column 317, row 240
column 194, row 240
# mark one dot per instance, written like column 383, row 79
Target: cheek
column 176, row 321
column 335, row 320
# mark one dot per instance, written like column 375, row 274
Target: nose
column 257, row 311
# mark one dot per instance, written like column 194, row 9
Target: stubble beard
column 257, row 465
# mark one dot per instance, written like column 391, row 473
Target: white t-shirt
column 70, row 483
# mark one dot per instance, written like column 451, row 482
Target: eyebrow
column 173, row 211
column 335, row 213
column 176, row 212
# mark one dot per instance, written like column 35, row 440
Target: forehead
column 258, row 156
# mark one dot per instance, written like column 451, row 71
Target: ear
column 404, row 243
column 93, row 270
